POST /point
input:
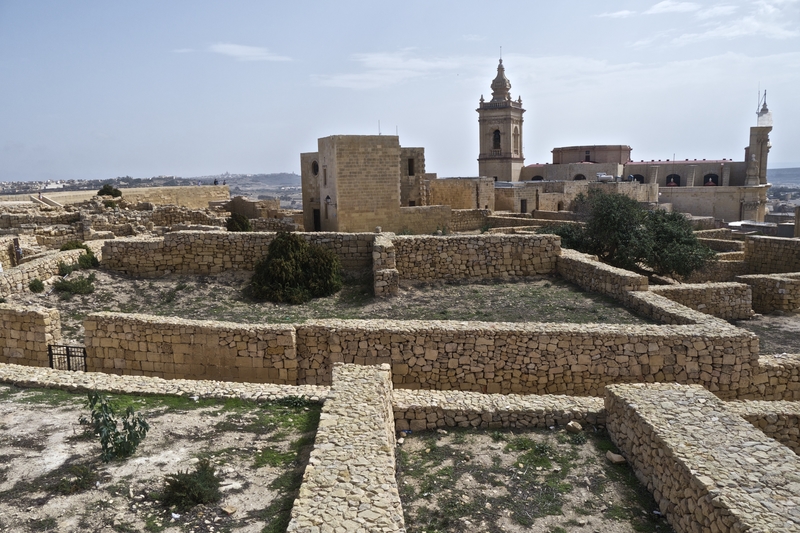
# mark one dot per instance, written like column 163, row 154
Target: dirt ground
column 778, row 332
column 52, row 478
column 536, row 480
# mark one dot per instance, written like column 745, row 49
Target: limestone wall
column 469, row 257
column 386, row 278
column 38, row 218
column 777, row 378
column 468, row 219
column 461, row 193
column 774, row 292
column 771, row 255
column 778, row 420
column 427, row 410
column 730, row 301
column 16, row 280
column 26, row 332
column 194, row 196
column 720, row 245
column 590, row 274
column 530, row 358
column 169, row 347
column 707, row 468
column 718, row 271
column 349, row 483
column 204, row 252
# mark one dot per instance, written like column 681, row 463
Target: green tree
column 621, row 233
column 238, row 222
column 109, row 190
column 294, row 271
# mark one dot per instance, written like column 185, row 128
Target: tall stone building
column 500, row 122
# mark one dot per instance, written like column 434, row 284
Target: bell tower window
column 496, row 140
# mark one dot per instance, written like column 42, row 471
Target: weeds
column 113, row 442
column 78, row 285
column 36, row 285
column 187, row 489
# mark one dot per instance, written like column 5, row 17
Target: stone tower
column 500, row 124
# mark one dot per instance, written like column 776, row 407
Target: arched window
column 560, row 206
column 673, row 180
column 315, row 168
column 639, row 178
column 496, row 140
column 537, row 178
column 711, row 179
column 579, row 177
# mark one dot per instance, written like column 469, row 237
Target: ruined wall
column 771, row 255
column 168, row 347
column 187, row 196
column 774, row 292
column 730, row 301
column 16, row 280
column 463, row 193
column 778, row 420
column 707, row 468
column 25, row 333
column 199, row 252
column 587, row 272
column 467, row 257
column 468, row 219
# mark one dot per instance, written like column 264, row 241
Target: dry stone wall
column 171, row 348
column 469, row 219
column 207, row 252
column 475, row 257
column 417, row 410
column 778, row 420
column 349, row 483
column 777, row 378
column 774, row 292
column 771, row 255
column 16, row 280
column 730, row 301
column 731, row 477
column 26, row 332
column 587, row 272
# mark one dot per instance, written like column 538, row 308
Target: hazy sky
column 103, row 89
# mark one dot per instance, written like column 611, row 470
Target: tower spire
column 501, row 85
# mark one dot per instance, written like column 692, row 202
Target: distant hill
column 784, row 176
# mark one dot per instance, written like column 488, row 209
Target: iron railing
column 67, row 357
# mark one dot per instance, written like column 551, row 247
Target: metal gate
column 67, row 357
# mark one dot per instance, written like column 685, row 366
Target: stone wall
column 587, row 272
column 778, row 420
column 468, row 219
column 204, row 252
column 26, row 332
column 38, row 218
column 171, row 348
column 530, row 358
column 720, row 245
column 707, row 468
column 427, row 410
column 777, row 378
column 771, row 255
column 463, row 193
column 469, row 257
column 386, row 278
column 774, row 292
column 718, row 271
column 730, row 301
column 16, row 280
column 349, row 483
column 187, row 196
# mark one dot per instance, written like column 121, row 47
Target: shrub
column 238, row 222
column 113, row 442
column 78, row 285
column 79, row 479
column 36, row 285
column 86, row 260
column 109, row 190
column 111, row 204
column 187, row 489
column 65, row 269
column 74, row 245
column 295, row 271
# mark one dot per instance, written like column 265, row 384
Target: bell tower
column 500, row 126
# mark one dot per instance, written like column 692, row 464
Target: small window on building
column 496, row 140
column 325, row 180
column 587, row 156
column 315, row 168
column 412, row 203
column 410, row 166
column 579, row 177
column 326, row 211
column 673, row 180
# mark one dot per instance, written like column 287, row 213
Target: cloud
column 716, row 11
column 383, row 69
column 182, row 50
column 771, row 19
column 241, row 52
column 625, row 13
column 669, row 6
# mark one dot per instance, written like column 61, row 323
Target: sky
column 98, row 89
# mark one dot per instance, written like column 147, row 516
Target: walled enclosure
column 194, row 197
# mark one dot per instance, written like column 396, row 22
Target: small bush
column 111, row 204
column 88, row 260
column 65, row 269
column 78, row 285
column 109, row 190
column 187, row 489
column 80, row 478
column 238, row 222
column 113, row 442
column 295, row 271
column 74, row 245
column 36, row 285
